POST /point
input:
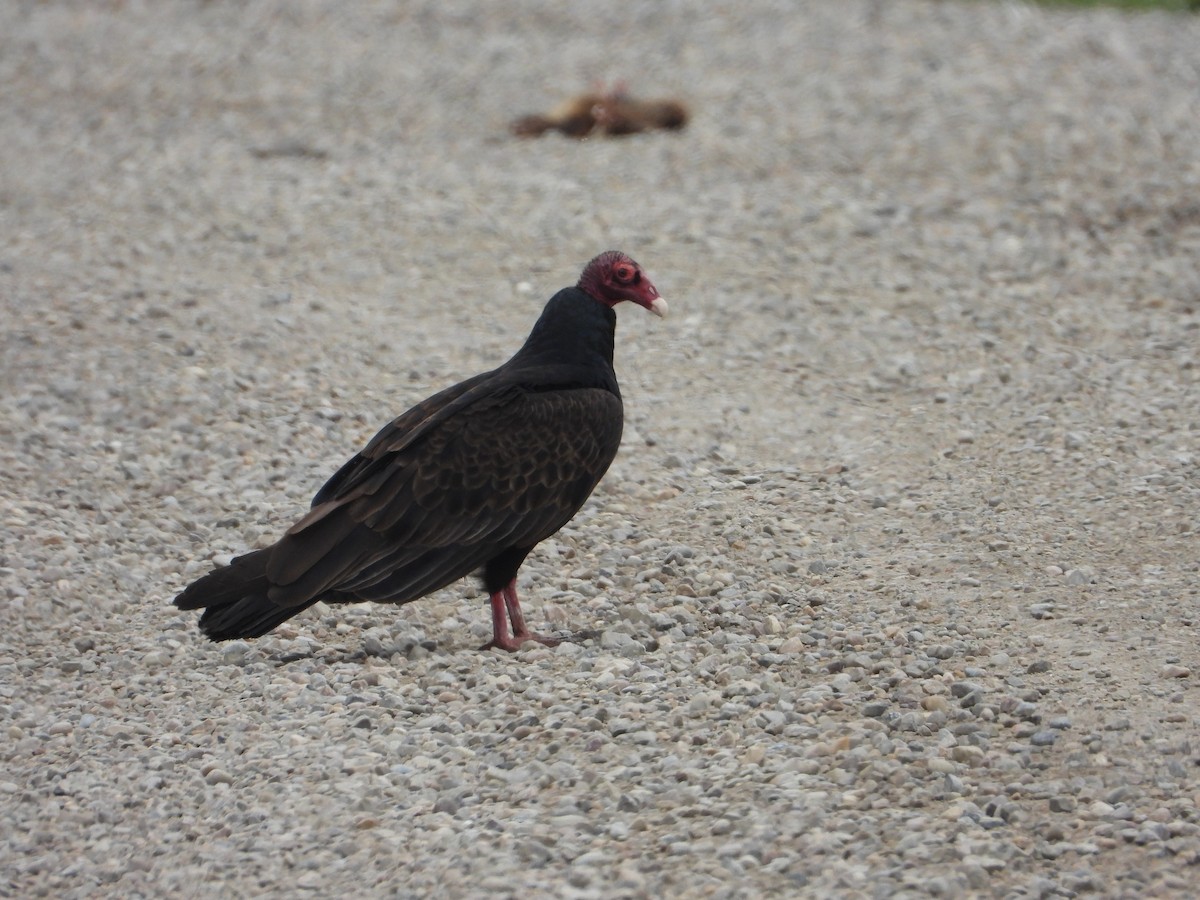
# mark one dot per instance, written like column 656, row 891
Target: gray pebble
column 235, row 652
column 907, row 488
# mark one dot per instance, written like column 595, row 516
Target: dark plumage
column 469, row 480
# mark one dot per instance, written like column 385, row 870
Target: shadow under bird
column 467, row 481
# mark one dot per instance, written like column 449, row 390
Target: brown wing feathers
column 506, row 474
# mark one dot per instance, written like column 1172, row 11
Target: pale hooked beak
column 658, row 306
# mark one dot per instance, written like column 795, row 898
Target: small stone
column 1082, row 882
column 1077, row 577
column 968, row 754
column 628, row 803
column 612, row 640
column 989, row 864
column 1171, row 670
column 754, row 756
column 965, row 689
column 310, row 881
column 234, row 653
column 374, row 646
column 1026, row 710
column 1122, row 793
column 632, row 649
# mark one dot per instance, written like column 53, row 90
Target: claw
column 506, row 614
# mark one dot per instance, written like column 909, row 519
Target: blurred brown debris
column 608, row 113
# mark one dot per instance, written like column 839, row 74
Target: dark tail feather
column 234, row 599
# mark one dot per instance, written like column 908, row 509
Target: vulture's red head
column 612, row 277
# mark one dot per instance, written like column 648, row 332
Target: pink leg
column 515, row 617
column 506, row 611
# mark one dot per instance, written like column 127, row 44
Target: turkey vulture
column 469, row 480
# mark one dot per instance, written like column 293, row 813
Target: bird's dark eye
column 624, row 273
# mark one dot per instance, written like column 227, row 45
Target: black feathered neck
column 571, row 345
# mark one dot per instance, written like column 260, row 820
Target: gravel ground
column 892, row 590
